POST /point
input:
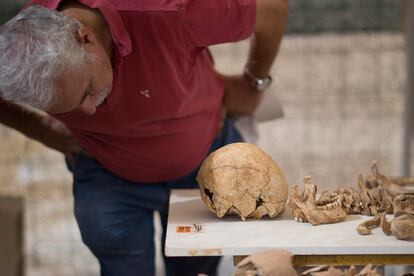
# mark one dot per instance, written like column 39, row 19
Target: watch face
column 258, row 83
column 263, row 84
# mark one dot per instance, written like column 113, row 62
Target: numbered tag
column 193, row 228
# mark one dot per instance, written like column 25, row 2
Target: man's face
column 85, row 88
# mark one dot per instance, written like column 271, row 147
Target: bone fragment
column 267, row 263
column 365, row 227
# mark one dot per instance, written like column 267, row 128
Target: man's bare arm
column 271, row 17
column 38, row 126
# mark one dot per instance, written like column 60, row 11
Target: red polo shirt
column 165, row 106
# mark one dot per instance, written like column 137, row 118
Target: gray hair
column 36, row 47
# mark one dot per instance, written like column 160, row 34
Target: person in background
column 127, row 91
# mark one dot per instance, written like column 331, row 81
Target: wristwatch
column 259, row 84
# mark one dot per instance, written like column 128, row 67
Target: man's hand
column 60, row 138
column 240, row 98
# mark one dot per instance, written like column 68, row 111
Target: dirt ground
column 343, row 102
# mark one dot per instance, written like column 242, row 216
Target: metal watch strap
column 260, row 84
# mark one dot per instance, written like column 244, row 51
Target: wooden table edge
column 338, row 260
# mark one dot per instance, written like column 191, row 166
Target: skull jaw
column 306, row 208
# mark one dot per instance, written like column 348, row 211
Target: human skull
column 241, row 179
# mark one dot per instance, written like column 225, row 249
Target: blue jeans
column 115, row 217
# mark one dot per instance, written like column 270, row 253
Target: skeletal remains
column 306, row 208
column 402, row 226
column 397, row 199
column 267, row 263
column 280, row 263
column 377, row 195
column 324, row 270
column 242, row 179
column 374, row 195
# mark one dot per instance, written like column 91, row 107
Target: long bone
column 392, row 185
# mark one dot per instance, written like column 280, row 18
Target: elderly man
column 130, row 96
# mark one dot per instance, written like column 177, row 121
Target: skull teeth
column 299, row 219
column 328, row 206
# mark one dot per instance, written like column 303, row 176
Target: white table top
column 231, row 236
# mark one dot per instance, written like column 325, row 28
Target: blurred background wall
column 340, row 76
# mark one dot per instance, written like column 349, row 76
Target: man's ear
column 86, row 38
